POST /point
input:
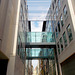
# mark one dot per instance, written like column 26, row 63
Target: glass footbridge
column 36, row 45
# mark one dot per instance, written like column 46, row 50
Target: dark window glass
column 69, row 33
column 65, row 11
column 61, row 18
column 56, row 32
column 65, row 40
column 58, row 26
column 61, row 44
column 53, row 6
column 58, row 47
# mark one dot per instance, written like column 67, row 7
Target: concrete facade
column 9, row 23
column 66, row 9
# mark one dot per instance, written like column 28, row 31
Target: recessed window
column 54, row 16
column 65, row 11
column 56, row 11
column 65, row 40
column 53, row 5
column 21, row 10
column 61, row 18
column 56, row 32
column 69, row 33
column 61, row 44
column 58, row 26
column 59, row 4
column 58, row 47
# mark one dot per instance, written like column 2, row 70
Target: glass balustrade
column 36, row 53
column 40, row 37
column 40, row 52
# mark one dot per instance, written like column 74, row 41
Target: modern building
column 15, row 35
column 63, row 14
column 13, row 23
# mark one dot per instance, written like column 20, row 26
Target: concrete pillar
column 25, row 63
column 14, row 32
column 56, row 62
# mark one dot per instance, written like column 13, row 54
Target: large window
column 58, row 47
column 61, row 44
column 61, row 18
column 69, row 33
column 65, row 40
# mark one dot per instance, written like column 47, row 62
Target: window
column 56, row 11
column 58, row 26
column 65, row 40
column 54, row 16
column 53, row 5
column 69, row 33
column 61, row 44
column 21, row 9
column 65, row 11
column 59, row 4
column 61, row 18
column 56, row 32
column 58, row 47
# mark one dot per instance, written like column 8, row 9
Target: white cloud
column 37, row 16
column 36, row 29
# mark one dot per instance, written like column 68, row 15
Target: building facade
column 13, row 21
column 63, row 14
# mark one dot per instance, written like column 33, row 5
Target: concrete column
column 25, row 63
column 14, row 33
column 56, row 62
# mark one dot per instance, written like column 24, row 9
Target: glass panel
column 69, row 33
column 56, row 11
column 58, row 48
column 40, row 53
column 40, row 37
column 65, row 40
column 61, row 43
column 56, row 32
column 35, row 37
column 65, row 12
column 61, row 18
column 58, row 26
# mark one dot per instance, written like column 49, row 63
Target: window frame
column 61, row 19
column 61, row 43
column 65, row 39
column 58, row 48
column 69, row 33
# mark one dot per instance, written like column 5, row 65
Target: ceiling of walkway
column 37, row 9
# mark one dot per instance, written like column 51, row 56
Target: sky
column 36, row 26
column 37, row 11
